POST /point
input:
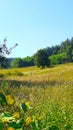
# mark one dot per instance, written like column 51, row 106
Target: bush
column 57, row 59
column 1, row 75
column 41, row 59
column 8, row 74
column 18, row 73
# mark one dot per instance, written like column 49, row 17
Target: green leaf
column 53, row 127
column 24, row 107
column 35, row 125
column 17, row 125
column 7, row 114
column 3, row 99
column 4, row 83
column 1, row 126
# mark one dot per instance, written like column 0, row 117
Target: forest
column 48, row 56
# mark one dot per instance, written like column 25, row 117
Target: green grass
column 49, row 92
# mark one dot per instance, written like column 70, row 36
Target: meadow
column 37, row 99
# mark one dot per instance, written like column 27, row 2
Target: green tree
column 69, row 54
column 16, row 63
column 41, row 59
column 28, row 61
column 4, row 62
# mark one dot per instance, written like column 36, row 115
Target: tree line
column 45, row 57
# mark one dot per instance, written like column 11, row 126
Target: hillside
column 58, row 54
column 59, row 74
column 45, row 95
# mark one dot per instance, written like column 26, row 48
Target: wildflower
column 28, row 104
column 28, row 121
column 10, row 99
column 10, row 128
column 16, row 115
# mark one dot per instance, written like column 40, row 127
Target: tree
column 69, row 54
column 16, row 63
column 4, row 62
column 28, row 61
column 41, row 58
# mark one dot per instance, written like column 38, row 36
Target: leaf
column 4, row 83
column 24, row 107
column 36, row 125
column 7, row 114
column 7, row 119
column 1, row 126
column 17, row 124
column 3, row 99
column 53, row 127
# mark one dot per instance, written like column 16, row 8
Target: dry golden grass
column 51, row 100
column 60, row 74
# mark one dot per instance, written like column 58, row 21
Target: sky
column 35, row 24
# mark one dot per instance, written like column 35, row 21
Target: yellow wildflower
column 27, row 104
column 16, row 115
column 10, row 99
column 28, row 121
column 10, row 128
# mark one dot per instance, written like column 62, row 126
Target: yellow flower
column 10, row 128
column 10, row 99
column 27, row 104
column 28, row 121
column 16, row 115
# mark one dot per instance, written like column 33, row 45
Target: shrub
column 18, row 73
column 1, row 75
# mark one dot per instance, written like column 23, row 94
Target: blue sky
column 35, row 24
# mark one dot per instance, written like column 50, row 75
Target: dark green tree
column 71, row 42
column 4, row 62
column 41, row 59
column 69, row 54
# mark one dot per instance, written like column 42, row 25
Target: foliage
column 58, row 59
column 17, row 73
column 28, row 61
column 22, row 62
column 66, row 48
column 17, row 62
column 4, row 62
column 69, row 54
column 41, row 58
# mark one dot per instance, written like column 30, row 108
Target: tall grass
column 49, row 92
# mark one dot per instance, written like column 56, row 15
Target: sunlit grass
column 50, row 97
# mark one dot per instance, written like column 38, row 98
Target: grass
column 61, row 74
column 49, row 92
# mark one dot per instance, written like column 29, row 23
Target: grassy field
column 48, row 92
